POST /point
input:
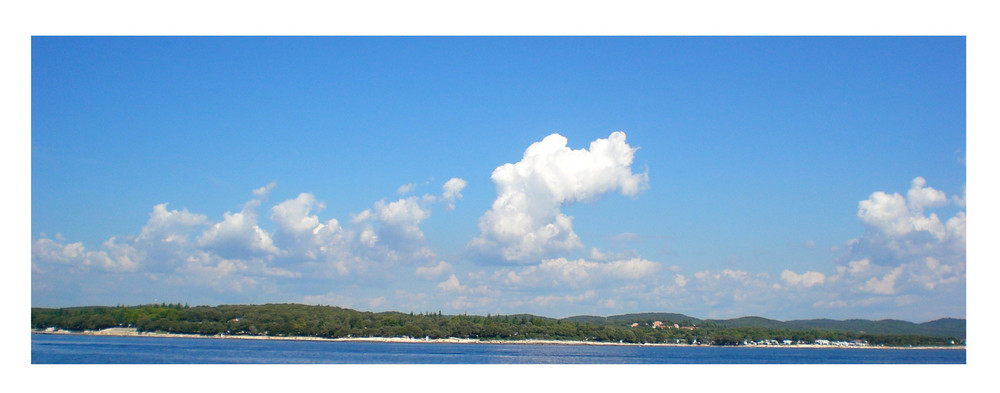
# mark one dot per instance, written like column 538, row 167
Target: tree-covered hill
column 654, row 316
column 944, row 327
column 334, row 322
column 757, row 322
column 627, row 319
column 940, row 328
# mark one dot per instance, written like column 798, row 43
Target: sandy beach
column 132, row 332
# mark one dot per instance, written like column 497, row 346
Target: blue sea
column 74, row 349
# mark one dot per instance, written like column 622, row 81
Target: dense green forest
column 334, row 322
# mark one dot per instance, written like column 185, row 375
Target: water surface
column 78, row 349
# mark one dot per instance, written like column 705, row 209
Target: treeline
column 335, row 322
column 737, row 336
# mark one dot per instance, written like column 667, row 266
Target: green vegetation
column 334, row 322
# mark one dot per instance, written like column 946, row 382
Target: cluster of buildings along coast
column 821, row 342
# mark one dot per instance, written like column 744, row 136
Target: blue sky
column 785, row 177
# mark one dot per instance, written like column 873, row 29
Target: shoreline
column 131, row 332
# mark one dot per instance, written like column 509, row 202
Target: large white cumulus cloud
column 895, row 216
column 900, row 225
column 303, row 238
column 238, row 235
column 906, row 249
column 525, row 221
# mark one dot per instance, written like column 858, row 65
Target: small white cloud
column 806, row 280
column 859, row 266
column 600, row 256
column 737, row 275
column 406, row 189
column 329, row 298
column 376, row 302
column 631, row 269
column 361, row 217
column 431, row 272
column 884, row 286
column 121, row 257
column 830, row 304
column 46, row 252
column 451, row 285
column 397, row 224
column 548, row 299
column 208, row 269
column 368, row 237
column 934, row 273
column 596, row 254
column 452, row 190
column 920, row 197
column 562, row 271
column 170, row 225
column 955, row 228
column 263, row 192
column 959, row 200
column 624, row 237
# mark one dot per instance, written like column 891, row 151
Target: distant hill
column 657, row 316
column 944, row 327
column 757, row 322
column 627, row 319
column 587, row 319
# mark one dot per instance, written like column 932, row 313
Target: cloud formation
column 452, row 190
column 452, row 285
column 806, row 280
column 905, row 250
column 886, row 285
column 525, row 221
column 238, row 235
column 398, row 222
column 302, row 238
column 895, row 217
column 431, row 272
column 380, row 256
column 163, row 237
column 235, row 254
column 580, row 272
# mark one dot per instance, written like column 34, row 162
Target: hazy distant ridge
column 944, row 327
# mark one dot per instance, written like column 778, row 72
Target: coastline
column 131, row 332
